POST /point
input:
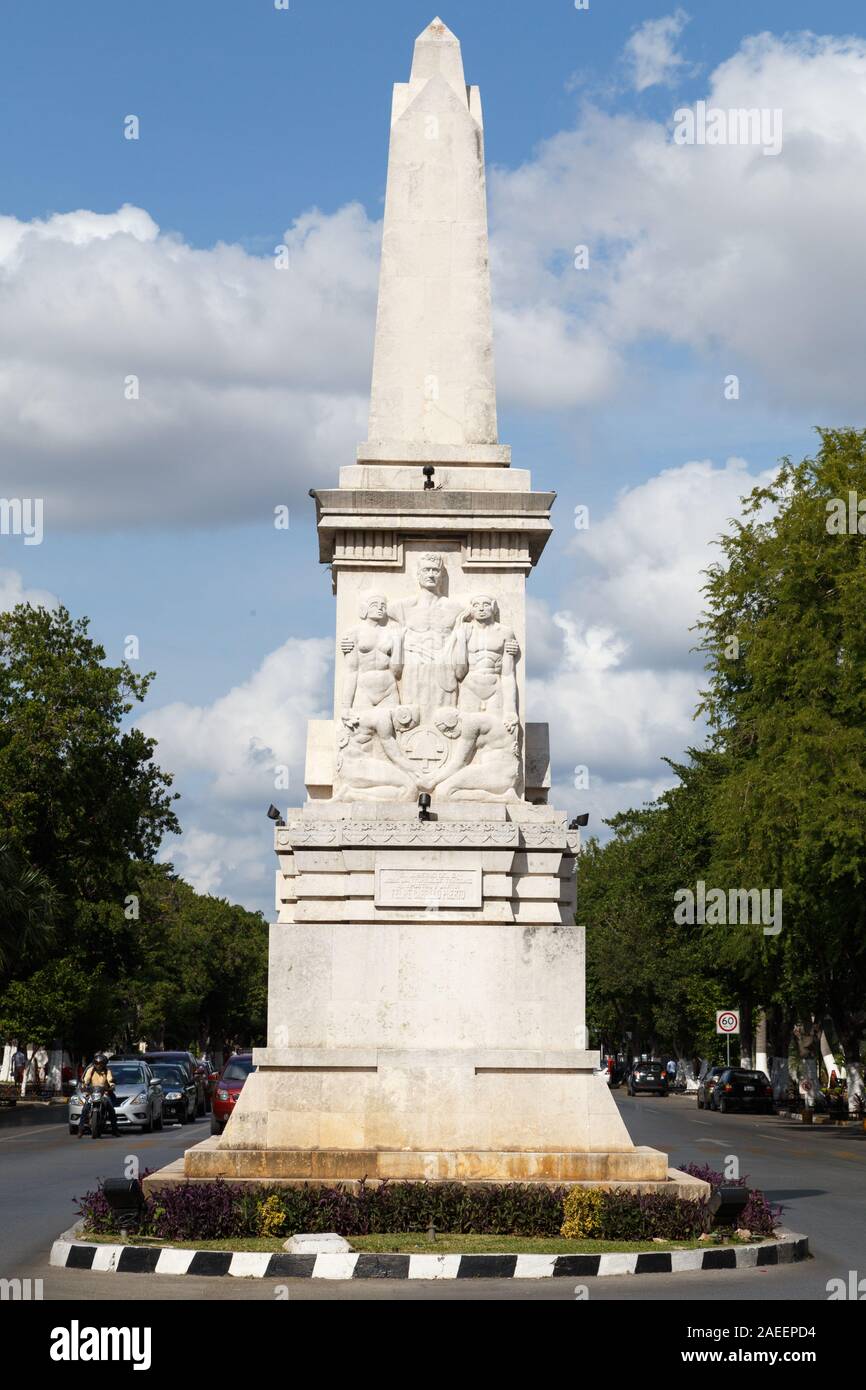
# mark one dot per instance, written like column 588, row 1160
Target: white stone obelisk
column 426, row 976
column 434, row 395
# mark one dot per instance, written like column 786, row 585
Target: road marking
column 45, row 1131
column 779, row 1138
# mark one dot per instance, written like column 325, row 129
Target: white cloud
column 239, row 740
column 613, row 674
column 651, row 53
column 227, row 757
column 13, row 592
column 211, row 862
column 751, row 264
column 251, row 379
column 641, row 567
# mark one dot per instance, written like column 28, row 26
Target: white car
column 138, row 1098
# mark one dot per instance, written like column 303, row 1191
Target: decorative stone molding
column 496, row 550
column 367, row 550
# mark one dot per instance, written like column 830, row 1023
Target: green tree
column 785, row 640
column 80, row 795
column 199, row 973
column 646, row 975
column 82, row 803
column 30, row 906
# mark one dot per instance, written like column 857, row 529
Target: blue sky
column 256, row 121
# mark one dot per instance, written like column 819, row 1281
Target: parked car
column 138, row 1098
column 706, row 1086
column 229, row 1087
column 179, row 1094
column 196, row 1073
column 743, row 1090
column 620, row 1073
column 648, row 1076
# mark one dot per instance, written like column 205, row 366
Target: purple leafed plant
column 758, row 1215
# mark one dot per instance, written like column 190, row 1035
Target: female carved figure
column 374, row 657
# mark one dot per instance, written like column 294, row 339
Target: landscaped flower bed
column 219, row 1210
column 758, row 1215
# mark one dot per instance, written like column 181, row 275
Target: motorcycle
column 95, row 1112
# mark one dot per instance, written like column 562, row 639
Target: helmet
column 101, row 1058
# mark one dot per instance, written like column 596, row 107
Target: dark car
column 196, row 1073
column 179, row 1095
column 648, row 1076
column 743, row 1090
column 706, row 1086
column 228, row 1088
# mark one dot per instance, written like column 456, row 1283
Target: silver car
column 138, row 1098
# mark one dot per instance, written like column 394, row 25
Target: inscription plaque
column 426, row 888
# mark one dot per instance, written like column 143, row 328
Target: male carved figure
column 491, row 745
column 374, row 657
column 429, row 680
column 485, row 653
column 362, row 773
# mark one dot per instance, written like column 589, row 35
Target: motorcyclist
column 99, row 1074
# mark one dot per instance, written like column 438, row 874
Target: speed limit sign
column 727, row 1021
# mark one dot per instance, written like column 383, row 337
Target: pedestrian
column 19, row 1065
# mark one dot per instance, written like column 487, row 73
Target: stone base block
column 209, row 1160
column 199, row 1163
column 428, row 1103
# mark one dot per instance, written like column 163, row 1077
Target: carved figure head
column 405, row 717
column 447, row 721
column 430, row 571
column 484, row 609
column 374, row 607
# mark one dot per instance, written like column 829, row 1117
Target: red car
column 228, row 1088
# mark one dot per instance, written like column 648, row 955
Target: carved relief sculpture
column 429, row 679
column 485, row 765
column 485, row 656
column 374, row 657
column 363, row 773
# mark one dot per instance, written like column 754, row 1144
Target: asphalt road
column 819, row 1175
column 43, row 1168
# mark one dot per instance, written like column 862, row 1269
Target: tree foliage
column 97, row 943
column 778, row 798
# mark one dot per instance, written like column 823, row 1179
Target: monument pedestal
column 426, row 1006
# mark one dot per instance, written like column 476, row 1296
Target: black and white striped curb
column 71, row 1253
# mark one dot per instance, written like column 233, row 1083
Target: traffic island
column 70, row 1251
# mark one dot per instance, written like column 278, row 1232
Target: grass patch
column 418, row 1244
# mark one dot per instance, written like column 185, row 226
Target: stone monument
column 426, row 986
